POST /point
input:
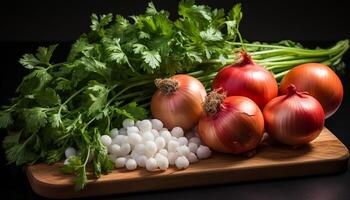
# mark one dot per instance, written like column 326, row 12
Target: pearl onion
column 122, row 131
column 196, row 140
column 172, row 145
column 183, row 150
column 160, row 142
column 155, row 133
column 203, row 152
column 131, row 164
column 151, row 148
column 182, row 162
column 182, row 141
column 145, row 125
column 114, row 132
column 132, row 129
column 166, row 135
column 177, row 132
column 157, row 124
column 151, row 164
column 173, row 138
column 134, row 155
column 69, row 152
column 120, row 162
column 134, row 139
column 172, row 156
column 148, row 136
column 162, row 162
column 125, row 149
column 106, row 140
column 114, row 149
column 118, row 139
column 163, row 129
column 193, row 147
column 140, row 148
column 141, row 160
column 128, row 123
column 192, row 158
column 164, row 152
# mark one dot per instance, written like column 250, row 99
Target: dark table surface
column 335, row 186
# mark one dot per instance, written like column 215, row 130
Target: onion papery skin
column 237, row 127
column 183, row 107
column 294, row 119
column 319, row 81
column 246, row 78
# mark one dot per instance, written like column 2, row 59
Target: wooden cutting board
column 324, row 155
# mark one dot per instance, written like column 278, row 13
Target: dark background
column 25, row 25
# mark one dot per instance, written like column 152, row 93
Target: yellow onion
column 178, row 101
column 319, row 81
column 232, row 124
column 295, row 118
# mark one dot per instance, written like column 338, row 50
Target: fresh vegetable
column 109, row 76
column 295, row 118
column 178, row 101
column 319, row 81
column 233, row 124
column 151, row 147
column 246, row 78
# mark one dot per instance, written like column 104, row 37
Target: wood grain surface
column 324, row 155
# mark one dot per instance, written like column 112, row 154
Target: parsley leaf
column 6, row 119
column 152, row 59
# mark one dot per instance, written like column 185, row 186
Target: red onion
column 178, row 101
column 232, row 125
column 319, row 81
column 246, row 78
column 294, row 119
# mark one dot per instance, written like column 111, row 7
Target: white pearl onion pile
column 148, row 144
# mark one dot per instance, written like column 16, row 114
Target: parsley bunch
column 108, row 76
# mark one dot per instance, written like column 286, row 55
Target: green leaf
column 63, row 84
column 93, row 65
column 200, row 13
column 152, row 58
column 34, row 81
column 20, row 153
column 42, row 56
column 81, row 179
column 136, row 111
column 73, row 165
column 47, row 97
column 115, row 51
column 151, row 10
column 11, row 140
column 139, row 48
column 35, row 118
column 29, row 61
column 6, row 119
column 131, row 111
column 98, row 23
column 80, row 46
column 233, row 19
column 98, row 96
column 122, row 22
column 211, row 34
column 194, row 56
column 54, row 155
column 55, row 120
